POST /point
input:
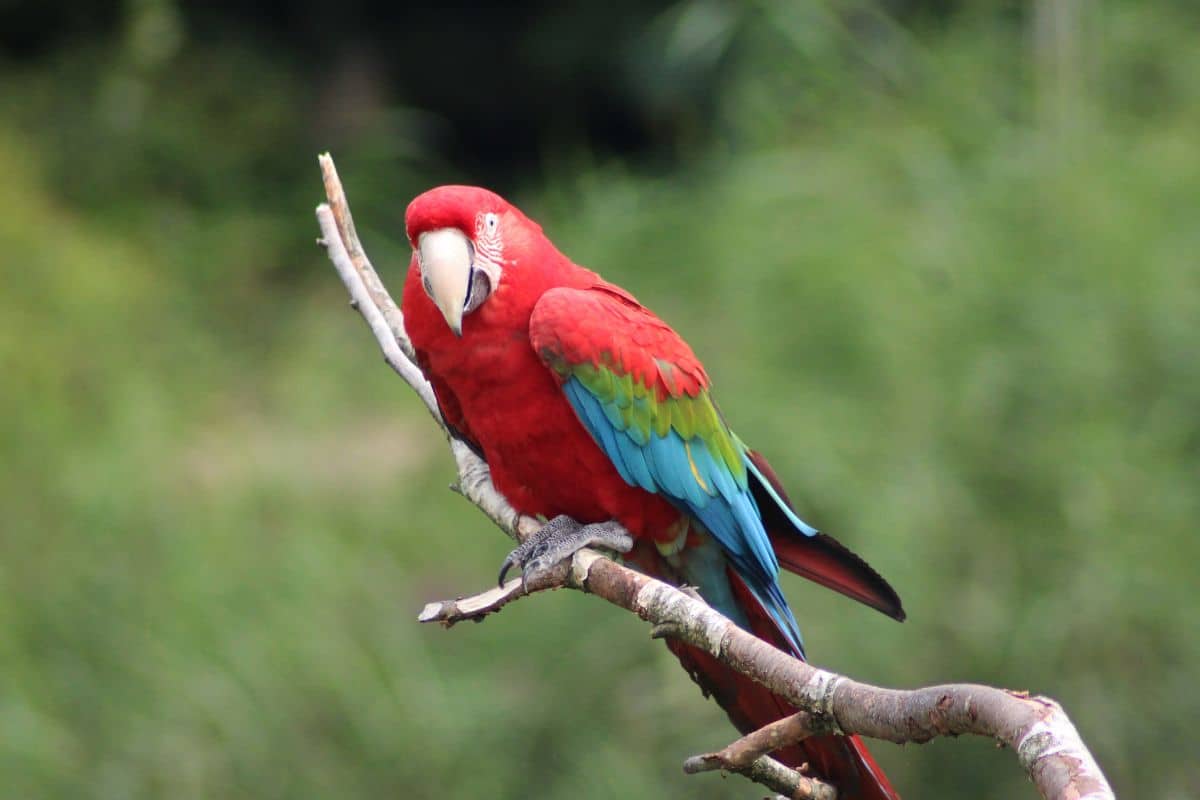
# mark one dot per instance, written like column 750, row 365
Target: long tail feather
column 755, row 602
column 841, row 760
column 818, row 557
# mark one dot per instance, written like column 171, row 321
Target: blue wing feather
column 801, row 525
column 687, row 474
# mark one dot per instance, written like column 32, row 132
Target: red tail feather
column 842, row 760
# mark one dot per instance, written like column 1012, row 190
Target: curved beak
column 445, row 258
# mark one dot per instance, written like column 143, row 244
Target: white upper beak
column 444, row 256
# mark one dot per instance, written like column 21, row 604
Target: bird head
column 459, row 236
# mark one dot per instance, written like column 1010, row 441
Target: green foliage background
column 944, row 275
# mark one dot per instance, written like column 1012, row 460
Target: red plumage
column 495, row 390
column 598, row 321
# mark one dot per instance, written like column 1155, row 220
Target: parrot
column 596, row 416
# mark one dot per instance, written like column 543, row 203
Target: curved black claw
column 509, row 563
column 558, row 540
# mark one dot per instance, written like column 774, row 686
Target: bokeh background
column 941, row 260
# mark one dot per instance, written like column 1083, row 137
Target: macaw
column 595, row 415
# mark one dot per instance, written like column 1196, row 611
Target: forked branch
column 1036, row 728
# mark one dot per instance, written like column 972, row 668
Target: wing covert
column 640, row 391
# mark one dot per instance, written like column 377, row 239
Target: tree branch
column 1036, row 728
column 766, row 739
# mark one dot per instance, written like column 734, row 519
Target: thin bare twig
column 1046, row 742
column 786, row 782
column 475, row 607
column 383, row 316
column 767, row 739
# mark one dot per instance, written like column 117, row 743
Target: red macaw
column 592, row 413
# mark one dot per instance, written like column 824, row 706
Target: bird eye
column 491, row 221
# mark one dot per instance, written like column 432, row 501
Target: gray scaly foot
column 558, row 540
